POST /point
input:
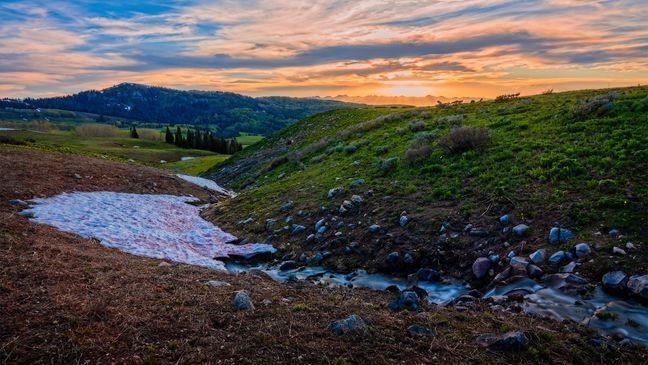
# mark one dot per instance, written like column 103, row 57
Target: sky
column 452, row 48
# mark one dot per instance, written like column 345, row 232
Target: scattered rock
column 286, row 207
column 428, row 275
column 392, row 258
column 334, row 192
column 539, row 256
column 408, row 259
column 630, row 246
column 510, row 341
column 406, row 300
column 403, row 220
column 558, row 235
column 481, row 266
column 478, row 232
column 374, row 228
column 319, row 224
column 356, row 183
column 356, row 200
column 416, row 330
column 76, row 176
column 618, row 251
column 614, row 280
column 351, row 324
column 504, row 220
column 217, row 283
column 242, row 301
column 638, row 285
column 270, row 223
column 288, row 265
column 246, row 221
column 19, row 203
column 614, row 232
column 164, row 264
column 533, row 271
column 568, row 268
column 310, row 237
column 557, row 257
column 297, row 229
column 521, row 229
column 582, row 249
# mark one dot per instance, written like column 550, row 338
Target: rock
column 494, row 258
column 521, row 229
column 310, row 237
column 356, row 200
column 539, row 256
column 468, row 227
column 408, row 259
column 557, row 257
column 356, row 183
column 289, row 219
column 322, row 230
column 270, row 223
column 510, row 341
column 477, row 232
column 297, row 229
column 315, row 259
column 403, row 220
column 614, row 280
column 217, row 283
column 638, row 285
column 319, row 224
column 76, row 176
column 406, row 300
column 246, row 221
column 19, row 203
column 164, row 264
column 630, row 246
column 558, row 235
column 582, row 249
column 502, row 276
column 334, row 192
column 504, row 220
column 242, row 301
column 614, row 232
column 568, row 268
column 286, row 207
column 416, row 330
column 518, row 261
column 347, row 205
column 288, row 265
column 374, row 228
column 428, row 275
column 351, row 324
column 618, row 251
column 533, row 271
column 392, row 258
column 481, row 266
column 26, row 214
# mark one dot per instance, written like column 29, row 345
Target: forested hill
column 229, row 113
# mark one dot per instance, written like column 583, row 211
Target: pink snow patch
column 157, row 226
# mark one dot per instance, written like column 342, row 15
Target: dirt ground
column 64, row 299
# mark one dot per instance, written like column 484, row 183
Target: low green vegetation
column 577, row 156
column 248, row 139
column 196, row 166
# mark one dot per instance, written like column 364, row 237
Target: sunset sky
column 479, row 48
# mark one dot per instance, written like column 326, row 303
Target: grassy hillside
column 577, row 158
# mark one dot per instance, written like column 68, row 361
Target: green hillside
column 577, row 158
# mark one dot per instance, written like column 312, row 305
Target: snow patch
column 187, row 158
column 157, row 226
column 206, row 183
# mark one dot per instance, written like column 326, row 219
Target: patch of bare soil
column 64, row 299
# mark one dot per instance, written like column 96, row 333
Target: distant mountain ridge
column 227, row 113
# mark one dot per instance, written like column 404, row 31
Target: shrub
column 389, row 164
column 381, row 150
column 586, row 107
column 465, row 139
column 456, row 119
column 317, row 159
column 97, row 130
column 426, row 136
column 149, row 134
column 335, row 149
column 506, row 97
column 547, row 92
column 419, row 150
column 350, row 149
column 416, row 125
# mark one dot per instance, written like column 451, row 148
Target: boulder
column 242, row 301
column 217, row 283
column 521, row 229
column 614, row 232
column 558, row 257
column 582, row 249
column 510, row 341
column 638, row 285
column 356, row 200
column 428, row 275
column 614, row 280
column 539, row 256
column 319, row 224
column 504, row 220
column 297, row 229
column 392, row 258
column 533, row 271
column 568, row 268
column 558, row 235
column 481, row 266
column 406, row 300
column 332, row 193
column 19, row 203
column 415, row 330
column 408, row 259
column 352, row 324
column 286, row 207
column 403, row 220
column 374, row 228
column 356, row 183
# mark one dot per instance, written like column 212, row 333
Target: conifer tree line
column 202, row 141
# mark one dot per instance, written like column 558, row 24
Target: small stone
column 618, row 251
column 521, row 229
column 614, row 232
column 164, row 264
column 297, row 229
column 416, row 330
column 242, row 301
column 19, row 203
column 477, row 232
column 356, row 200
column 539, row 256
column 510, row 341
column 351, row 324
column 558, row 235
column 582, row 249
column 533, row 271
column 286, row 207
column 332, row 193
column 374, row 228
column 428, row 275
column 630, row 246
column 408, row 259
column 504, row 220
column 26, row 214
column 481, row 266
column 569, row 268
column 406, row 300
column 468, row 227
column 246, row 221
column 392, row 258
column 319, row 224
column 310, row 237
column 613, row 280
column 76, row 176
column 638, row 285
column 357, row 183
column 557, row 257
column 403, row 220
column 217, row 283
column 270, row 223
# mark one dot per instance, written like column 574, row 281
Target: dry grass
column 97, row 130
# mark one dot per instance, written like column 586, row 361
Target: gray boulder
column 582, row 249
column 242, row 301
column 415, row 330
column 558, row 257
column 406, row 300
column 332, row 193
column 357, row 183
column 539, row 256
column 558, row 235
column 521, row 229
column 374, row 228
column 614, row 280
column 352, row 324
column 481, row 266
column 286, row 207
column 392, row 258
column 510, row 341
column 297, row 229
column 638, row 285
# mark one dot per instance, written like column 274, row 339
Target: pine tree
column 133, row 133
column 190, row 139
column 197, row 140
column 168, row 137
column 178, row 137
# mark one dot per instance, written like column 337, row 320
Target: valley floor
column 65, row 299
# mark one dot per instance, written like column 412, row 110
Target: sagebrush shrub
column 456, row 119
column 416, row 125
column 389, row 164
column 419, row 150
column 586, row 107
column 464, row 139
